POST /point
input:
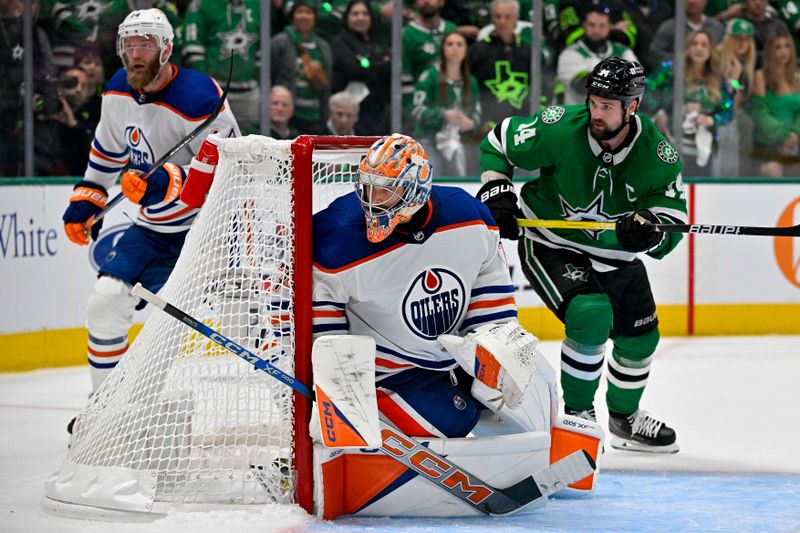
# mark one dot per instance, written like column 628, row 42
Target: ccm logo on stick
column 444, row 474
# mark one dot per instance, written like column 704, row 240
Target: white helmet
column 146, row 22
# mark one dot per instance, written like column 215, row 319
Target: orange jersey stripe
column 398, row 245
column 385, row 363
column 327, row 314
column 166, row 217
column 360, row 261
column 491, row 303
column 465, row 225
column 400, row 418
column 107, row 354
column 95, row 152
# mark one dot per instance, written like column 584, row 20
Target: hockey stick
column 434, row 467
column 788, row 231
column 172, row 151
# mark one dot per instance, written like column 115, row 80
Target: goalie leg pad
column 571, row 433
column 344, row 383
column 109, row 315
column 368, row 483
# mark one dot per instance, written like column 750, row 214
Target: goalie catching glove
column 635, row 232
column 501, row 356
column 87, row 200
column 163, row 185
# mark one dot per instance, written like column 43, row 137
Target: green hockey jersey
column 578, row 180
column 215, row 30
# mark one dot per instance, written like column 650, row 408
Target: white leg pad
column 109, row 315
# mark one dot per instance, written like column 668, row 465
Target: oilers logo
column 102, row 248
column 141, row 154
column 434, row 303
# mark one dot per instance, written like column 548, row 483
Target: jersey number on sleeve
column 525, row 132
column 676, row 189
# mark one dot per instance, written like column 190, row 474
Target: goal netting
column 182, row 422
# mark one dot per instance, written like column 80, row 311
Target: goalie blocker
column 352, row 478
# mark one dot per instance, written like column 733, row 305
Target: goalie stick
column 711, row 229
column 430, row 465
column 172, row 151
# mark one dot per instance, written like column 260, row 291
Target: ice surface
column 732, row 400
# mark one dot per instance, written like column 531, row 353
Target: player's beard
column 139, row 79
column 601, row 132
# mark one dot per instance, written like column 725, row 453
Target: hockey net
column 182, row 422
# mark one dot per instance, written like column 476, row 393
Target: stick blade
column 564, row 472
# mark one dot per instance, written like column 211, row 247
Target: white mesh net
column 181, row 420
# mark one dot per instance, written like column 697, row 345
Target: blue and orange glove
column 163, row 185
column 87, row 200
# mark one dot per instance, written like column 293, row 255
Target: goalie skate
column 641, row 432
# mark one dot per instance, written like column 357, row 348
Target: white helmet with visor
column 146, row 23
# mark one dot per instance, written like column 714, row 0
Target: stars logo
column 90, row 10
column 508, row 85
column 666, row 152
column 594, row 212
column 237, row 41
column 552, row 114
column 17, row 53
column 574, row 273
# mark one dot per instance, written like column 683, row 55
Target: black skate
column 586, row 414
column 641, row 432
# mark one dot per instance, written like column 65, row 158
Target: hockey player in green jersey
column 600, row 162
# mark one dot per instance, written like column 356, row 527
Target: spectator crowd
column 466, row 66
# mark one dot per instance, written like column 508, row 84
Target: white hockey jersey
column 404, row 292
column 136, row 129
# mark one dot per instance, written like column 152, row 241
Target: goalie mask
column 150, row 23
column 394, row 182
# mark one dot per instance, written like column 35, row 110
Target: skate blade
column 619, row 443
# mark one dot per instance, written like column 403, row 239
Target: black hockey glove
column 501, row 199
column 637, row 236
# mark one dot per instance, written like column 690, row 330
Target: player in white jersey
column 404, row 262
column 148, row 107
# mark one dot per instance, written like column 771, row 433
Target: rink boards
column 710, row 285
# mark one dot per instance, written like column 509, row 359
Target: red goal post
column 303, row 149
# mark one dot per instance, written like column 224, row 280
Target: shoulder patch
column 666, row 152
column 552, row 114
